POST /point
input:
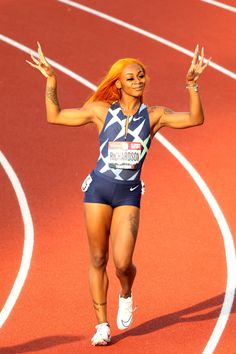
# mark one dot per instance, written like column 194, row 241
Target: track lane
column 207, row 25
column 12, row 236
column 145, row 33
column 28, row 243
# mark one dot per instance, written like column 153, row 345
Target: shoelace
column 134, row 309
column 131, row 310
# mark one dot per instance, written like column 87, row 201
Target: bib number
column 124, row 154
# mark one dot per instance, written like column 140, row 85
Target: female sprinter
column 113, row 190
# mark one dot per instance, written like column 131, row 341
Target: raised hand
column 197, row 66
column 41, row 63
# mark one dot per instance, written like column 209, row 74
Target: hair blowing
column 107, row 90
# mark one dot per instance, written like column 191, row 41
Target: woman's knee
column 124, row 268
column 99, row 260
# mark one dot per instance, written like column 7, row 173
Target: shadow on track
column 39, row 344
column 208, row 309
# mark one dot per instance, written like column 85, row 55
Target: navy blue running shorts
column 100, row 189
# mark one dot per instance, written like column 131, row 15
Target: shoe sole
column 101, row 343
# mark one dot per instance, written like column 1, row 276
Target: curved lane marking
column 218, row 214
column 28, row 241
column 228, row 243
column 146, row 34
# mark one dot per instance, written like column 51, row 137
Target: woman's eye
column 130, row 79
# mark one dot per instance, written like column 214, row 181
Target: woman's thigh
column 98, row 222
column 124, row 230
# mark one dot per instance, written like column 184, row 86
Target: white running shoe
column 102, row 335
column 125, row 312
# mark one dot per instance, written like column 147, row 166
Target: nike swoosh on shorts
column 133, row 188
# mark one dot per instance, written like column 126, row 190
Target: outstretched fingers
column 40, row 63
column 194, row 61
column 202, row 62
column 198, row 64
column 34, row 60
column 207, row 61
column 202, row 58
column 41, row 55
column 195, row 56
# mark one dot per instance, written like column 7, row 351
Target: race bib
column 124, row 154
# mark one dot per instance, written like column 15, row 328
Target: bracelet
column 192, row 86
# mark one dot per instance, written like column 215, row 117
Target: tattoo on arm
column 51, row 94
column 134, row 223
column 152, row 109
column 168, row 111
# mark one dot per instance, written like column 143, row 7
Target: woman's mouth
column 139, row 88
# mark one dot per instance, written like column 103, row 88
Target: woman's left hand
column 197, row 66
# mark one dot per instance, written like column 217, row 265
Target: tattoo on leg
column 98, row 306
column 134, row 222
column 51, row 94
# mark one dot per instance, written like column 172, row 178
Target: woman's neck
column 129, row 107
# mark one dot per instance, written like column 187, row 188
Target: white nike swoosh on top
column 134, row 119
column 133, row 188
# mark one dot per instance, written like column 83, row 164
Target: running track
column 183, row 269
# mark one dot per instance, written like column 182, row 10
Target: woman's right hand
column 41, row 63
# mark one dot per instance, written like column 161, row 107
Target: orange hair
column 107, row 90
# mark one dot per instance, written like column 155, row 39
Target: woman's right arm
column 55, row 114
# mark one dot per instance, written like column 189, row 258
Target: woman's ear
column 118, row 84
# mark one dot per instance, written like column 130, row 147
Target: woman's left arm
column 195, row 116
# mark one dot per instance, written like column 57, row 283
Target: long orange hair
column 107, row 90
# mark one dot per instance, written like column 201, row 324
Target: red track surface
column 180, row 255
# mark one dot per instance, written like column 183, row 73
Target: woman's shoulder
column 97, row 105
column 99, row 108
column 154, row 110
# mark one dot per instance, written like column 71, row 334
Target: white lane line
column 28, row 241
column 225, row 230
column 221, row 4
column 56, row 65
column 228, row 243
column 146, row 34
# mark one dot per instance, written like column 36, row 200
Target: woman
column 113, row 190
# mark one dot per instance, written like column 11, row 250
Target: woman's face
column 132, row 80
